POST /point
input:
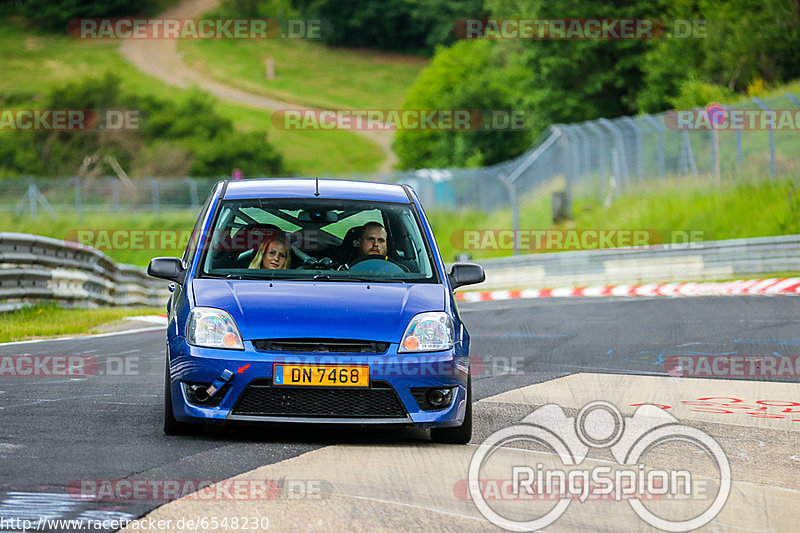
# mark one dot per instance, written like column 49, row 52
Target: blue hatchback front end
column 339, row 333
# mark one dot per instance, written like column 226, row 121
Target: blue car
column 306, row 301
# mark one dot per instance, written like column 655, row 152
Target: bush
column 205, row 142
column 55, row 14
column 470, row 75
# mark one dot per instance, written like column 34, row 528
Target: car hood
column 336, row 310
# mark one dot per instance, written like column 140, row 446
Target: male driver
column 372, row 240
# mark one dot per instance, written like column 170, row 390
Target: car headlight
column 213, row 328
column 428, row 332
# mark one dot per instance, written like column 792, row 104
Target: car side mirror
column 466, row 274
column 169, row 268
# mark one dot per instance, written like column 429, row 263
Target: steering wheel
column 376, row 257
column 317, row 264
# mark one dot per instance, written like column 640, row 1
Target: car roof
column 305, row 188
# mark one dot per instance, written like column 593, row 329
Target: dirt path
column 161, row 59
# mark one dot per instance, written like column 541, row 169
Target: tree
column 467, row 76
column 747, row 40
column 189, row 126
column 55, row 14
column 583, row 79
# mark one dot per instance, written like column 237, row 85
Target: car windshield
column 317, row 240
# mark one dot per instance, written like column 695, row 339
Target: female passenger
column 273, row 253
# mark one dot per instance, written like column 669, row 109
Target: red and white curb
column 706, row 288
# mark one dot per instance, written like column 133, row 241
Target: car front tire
column 171, row 425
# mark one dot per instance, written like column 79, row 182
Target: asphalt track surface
column 57, row 431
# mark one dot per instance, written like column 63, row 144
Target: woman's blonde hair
column 270, row 237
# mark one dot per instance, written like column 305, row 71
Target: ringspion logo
column 566, row 479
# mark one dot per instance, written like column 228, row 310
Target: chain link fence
column 603, row 157
column 600, row 158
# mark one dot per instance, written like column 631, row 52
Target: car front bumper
column 399, row 372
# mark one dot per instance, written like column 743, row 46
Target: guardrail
column 703, row 261
column 40, row 268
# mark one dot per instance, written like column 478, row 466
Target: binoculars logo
column 599, row 425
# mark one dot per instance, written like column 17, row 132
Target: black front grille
column 320, row 346
column 261, row 398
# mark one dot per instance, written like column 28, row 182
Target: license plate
column 321, row 375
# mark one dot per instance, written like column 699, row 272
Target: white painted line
column 95, row 336
column 422, row 508
column 153, row 319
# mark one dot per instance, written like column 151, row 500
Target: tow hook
column 204, row 394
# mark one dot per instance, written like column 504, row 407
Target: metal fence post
column 76, row 182
column 32, row 192
column 192, row 192
column 602, row 174
column 763, row 106
column 687, row 161
column 622, row 170
column 512, row 200
column 115, row 195
column 637, row 155
column 738, row 142
column 714, row 133
column 156, row 199
column 584, row 137
column 566, row 146
column 659, row 127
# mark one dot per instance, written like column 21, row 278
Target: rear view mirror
column 169, row 268
column 318, row 216
column 466, row 274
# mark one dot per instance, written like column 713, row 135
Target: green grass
column 730, row 210
column 34, row 63
column 52, row 321
column 307, row 72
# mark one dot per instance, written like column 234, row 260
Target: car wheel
column 460, row 434
column 172, row 426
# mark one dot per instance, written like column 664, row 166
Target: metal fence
column 46, row 196
column 598, row 158
column 603, row 157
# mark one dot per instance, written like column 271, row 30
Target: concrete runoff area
column 424, row 485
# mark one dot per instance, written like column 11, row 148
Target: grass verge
column 42, row 321
column 734, row 209
column 33, row 63
column 308, row 73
